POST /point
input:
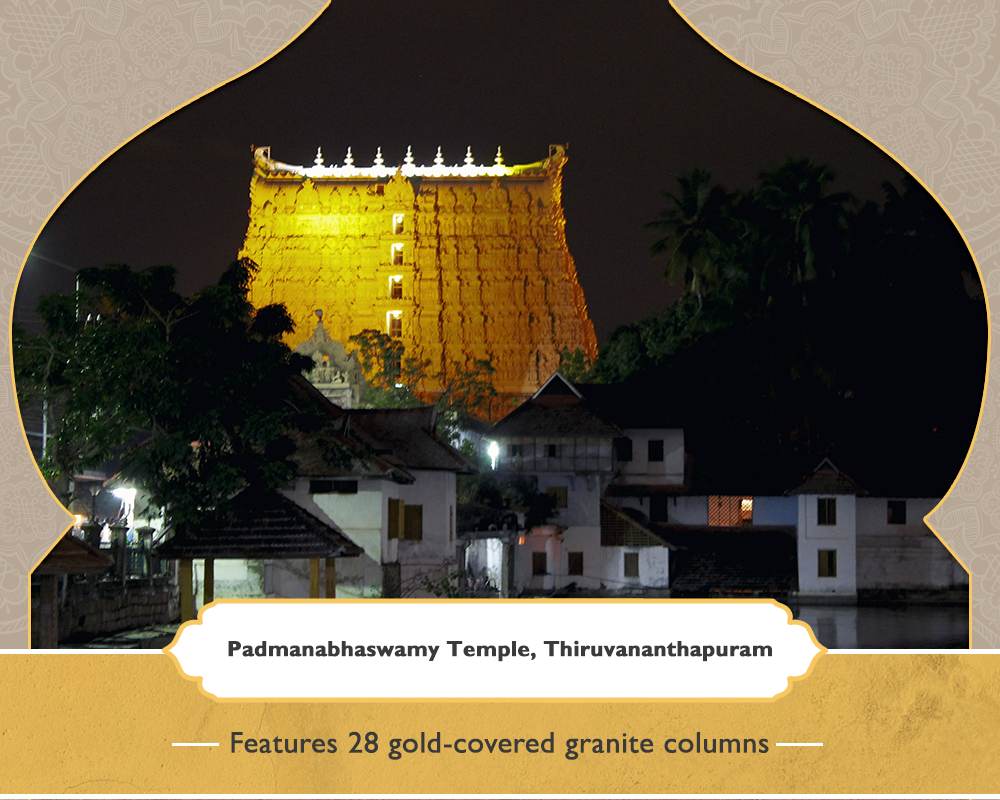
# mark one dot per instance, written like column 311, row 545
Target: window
column 395, row 325
column 561, row 494
column 731, row 512
column 396, row 287
column 897, row 512
column 345, row 487
column 552, row 451
column 575, row 564
column 413, row 523
column 658, row 507
column 826, row 511
column 515, row 450
column 623, row 448
column 397, row 224
column 539, row 564
column 655, row 450
column 827, row 564
column 631, row 565
column 405, row 522
column 320, row 487
column 397, row 255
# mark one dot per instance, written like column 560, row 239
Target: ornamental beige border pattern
column 81, row 78
column 919, row 78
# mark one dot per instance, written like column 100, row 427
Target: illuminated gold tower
column 461, row 262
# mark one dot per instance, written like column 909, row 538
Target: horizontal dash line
column 798, row 744
column 194, row 744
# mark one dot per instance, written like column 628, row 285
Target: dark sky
column 638, row 96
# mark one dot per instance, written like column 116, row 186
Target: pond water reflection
column 916, row 627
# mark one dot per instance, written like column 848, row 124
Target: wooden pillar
column 313, row 577
column 209, row 588
column 187, row 590
column 331, row 578
column 48, row 613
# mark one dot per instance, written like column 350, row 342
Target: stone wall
column 88, row 606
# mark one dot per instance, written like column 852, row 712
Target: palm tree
column 696, row 236
column 806, row 226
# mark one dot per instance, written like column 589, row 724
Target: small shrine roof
column 261, row 525
column 71, row 556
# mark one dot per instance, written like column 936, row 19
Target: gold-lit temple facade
column 462, row 263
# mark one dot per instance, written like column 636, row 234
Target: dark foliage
column 192, row 393
column 812, row 327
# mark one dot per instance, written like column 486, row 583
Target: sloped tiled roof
column 72, row 556
column 383, row 443
column 405, row 437
column 564, row 419
column 621, row 529
column 827, row 479
column 324, row 454
column 261, row 525
column 732, row 561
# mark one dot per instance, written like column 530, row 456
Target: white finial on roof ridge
column 409, row 155
column 469, row 160
column 439, row 159
column 318, row 161
column 349, row 158
column 379, row 161
column 499, row 158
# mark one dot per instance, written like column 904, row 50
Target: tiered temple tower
column 461, row 262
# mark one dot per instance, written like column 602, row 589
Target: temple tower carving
column 461, row 262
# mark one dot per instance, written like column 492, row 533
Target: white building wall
column 907, row 556
column 434, row 556
column 654, row 568
column 841, row 537
column 586, row 540
column 364, row 517
column 640, row 470
column 688, row 510
column 775, row 510
column 583, row 498
column 361, row 517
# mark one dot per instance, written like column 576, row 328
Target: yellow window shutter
column 396, row 524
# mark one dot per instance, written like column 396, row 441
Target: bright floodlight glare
column 494, row 452
column 128, row 495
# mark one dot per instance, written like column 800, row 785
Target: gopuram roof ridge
column 407, row 168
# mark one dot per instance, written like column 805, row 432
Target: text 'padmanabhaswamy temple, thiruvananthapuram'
column 462, row 263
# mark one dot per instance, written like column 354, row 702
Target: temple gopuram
column 462, row 262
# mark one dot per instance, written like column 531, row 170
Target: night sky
column 638, row 96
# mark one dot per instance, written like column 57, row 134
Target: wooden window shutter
column 396, row 524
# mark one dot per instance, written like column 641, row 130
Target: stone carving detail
column 337, row 375
column 475, row 264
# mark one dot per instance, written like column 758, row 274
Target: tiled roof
column 572, row 418
column 261, row 525
column 72, row 555
column 827, row 479
column 383, row 443
column 732, row 561
column 622, row 529
column 326, row 453
column 405, row 437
